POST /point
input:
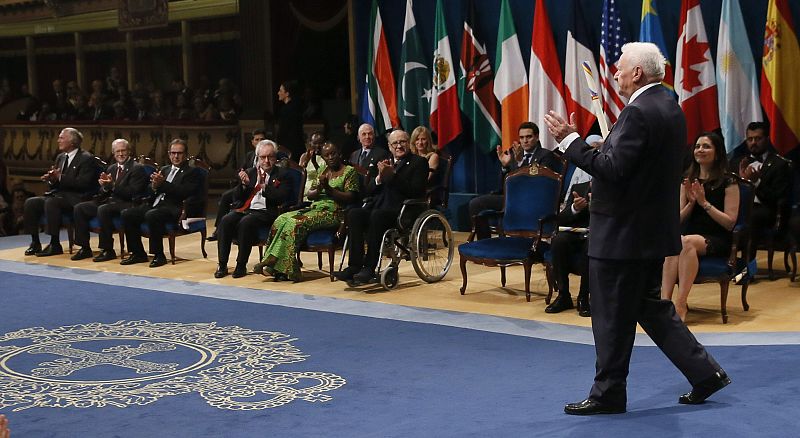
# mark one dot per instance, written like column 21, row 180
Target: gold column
column 186, row 51
column 30, row 59
column 80, row 61
column 129, row 59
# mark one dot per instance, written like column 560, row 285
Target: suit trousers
column 477, row 205
column 52, row 207
column 244, row 227
column 85, row 211
column 569, row 252
column 224, row 204
column 624, row 293
column 762, row 219
column 368, row 225
column 156, row 219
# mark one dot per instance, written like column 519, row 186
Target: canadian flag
column 695, row 81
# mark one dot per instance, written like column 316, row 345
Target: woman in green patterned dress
column 337, row 187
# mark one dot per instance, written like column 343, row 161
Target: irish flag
column 779, row 86
column 445, row 114
column 511, row 83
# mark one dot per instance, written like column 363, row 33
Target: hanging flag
column 578, row 96
column 779, row 86
column 415, row 76
column 379, row 106
column 445, row 116
column 511, row 84
column 475, row 88
column 612, row 38
column 650, row 32
column 544, row 77
column 736, row 77
column 695, row 82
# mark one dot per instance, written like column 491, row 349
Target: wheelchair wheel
column 389, row 277
column 432, row 246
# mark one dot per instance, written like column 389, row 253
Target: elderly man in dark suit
column 262, row 190
column 72, row 179
column 368, row 156
column 634, row 224
column 171, row 185
column 771, row 174
column 389, row 183
column 120, row 184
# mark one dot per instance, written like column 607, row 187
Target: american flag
column 611, row 40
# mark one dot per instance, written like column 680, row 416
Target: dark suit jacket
column 186, row 183
column 375, row 155
column 131, row 184
column 79, row 182
column 408, row 182
column 566, row 217
column 776, row 177
column 636, row 180
column 276, row 192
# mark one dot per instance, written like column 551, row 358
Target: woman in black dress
column 709, row 205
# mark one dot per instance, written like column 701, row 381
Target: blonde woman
column 422, row 145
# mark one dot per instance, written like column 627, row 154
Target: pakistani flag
column 414, row 84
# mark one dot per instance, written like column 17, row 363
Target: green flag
column 414, row 84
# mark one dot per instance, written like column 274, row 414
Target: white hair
column 122, row 142
column 266, row 144
column 647, row 56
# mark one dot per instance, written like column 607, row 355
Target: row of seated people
column 125, row 189
column 256, row 203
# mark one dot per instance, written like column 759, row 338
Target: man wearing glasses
column 389, row 183
column 262, row 189
column 119, row 185
column 171, row 185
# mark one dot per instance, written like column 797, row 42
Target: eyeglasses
column 177, row 153
column 398, row 143
column 268, row 157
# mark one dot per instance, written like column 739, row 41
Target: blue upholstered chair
column 531, row 197
column 735, row 266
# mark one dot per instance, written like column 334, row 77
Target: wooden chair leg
column 171, row 239
column 527, row 268
column 71, row 236
column 770, row 256
column 319, row 259
column 723, row 299
column 548, row 272
column 503, row 276
column 121, row 235
column 331, row 257
column 203, row 243
column 745, row 305
column 463, row 264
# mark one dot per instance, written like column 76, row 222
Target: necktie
column 66, row 164
column 170, row 177
column 119, row 172
column 526, row 161
column 255, row 191
column 362, row 160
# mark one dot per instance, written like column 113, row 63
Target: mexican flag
column 445, row 115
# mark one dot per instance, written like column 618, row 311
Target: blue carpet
column 402, row 378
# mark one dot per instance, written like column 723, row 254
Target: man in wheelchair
column 388, row 184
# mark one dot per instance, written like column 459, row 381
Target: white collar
column 641, row 90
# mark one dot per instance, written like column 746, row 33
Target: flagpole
column 596, row 106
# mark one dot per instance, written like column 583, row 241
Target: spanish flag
column 779, row 85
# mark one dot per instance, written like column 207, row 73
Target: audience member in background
column 422, row 145
column 226, row 199
column 389, row 183
column 171, row 185
column 709, row 205
column 366, row 158
column 771, row 175
column 336, row 188
column 525, row 152
column 260, row 193
column 312, row 161
column 72, row 179
column 289, row 116
column 120, row 184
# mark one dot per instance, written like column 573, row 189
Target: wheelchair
column 422, row 236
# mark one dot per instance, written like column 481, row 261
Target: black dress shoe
column 364, row 276
column 50, row 250
column 212, row 237
column 105, row 255
column 158, row 260
column 240, row 271
column 704, row 389
column 280, row 276
column 133, row 259
column 561, row 303
column 583, row 306
column 592, row 407
column 83, row 253
column 221, row 271
column 33, row 249
column 345, row 274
